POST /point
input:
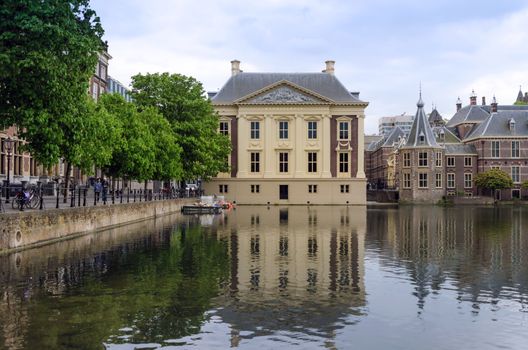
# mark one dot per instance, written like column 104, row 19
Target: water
column 268, row 278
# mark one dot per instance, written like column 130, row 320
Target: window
column 406, row 159
column 468, row 161
column 3, row 157
column 422, row 180
column 32, row 167
column 451, row 161
column 406, row 180
column 422, row 158
column 312, row 162
column 95, row 90
column 224, row 128
column 343, row 130
column 103, row 72
column 255, row 130
column 515, row 152
column 438, row 160
column 468, row 180
column 255, row 162
column 345, row 188
column 283, row 130
column 312, row 188
column 515, row 174
column 255, row 188
column 283, row 162
column 283, row 194
column 438, row 180
column 450, row 180
column 222, row 188
column 17, row 158
column 495, row 149
column 312, row 130
column 343, row 162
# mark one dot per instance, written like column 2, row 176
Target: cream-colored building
column 297, row 138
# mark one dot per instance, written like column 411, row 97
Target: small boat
column 201, row 209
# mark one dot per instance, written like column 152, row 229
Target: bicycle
column 29, row 199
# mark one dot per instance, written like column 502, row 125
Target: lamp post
column 8, row 144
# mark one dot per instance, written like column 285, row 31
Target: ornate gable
column 283, row 92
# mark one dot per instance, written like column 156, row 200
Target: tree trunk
column 67, row 182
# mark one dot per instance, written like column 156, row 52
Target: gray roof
column 469, row 114
column 324, row 84
column 449, row 135
column 435, row 117
column 498, row 125
column 394, row 136
column 454, row 149
column 479, row 113
column 421, row 128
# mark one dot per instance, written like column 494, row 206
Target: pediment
column 283, row 92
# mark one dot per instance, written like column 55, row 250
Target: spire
column 421, row 134
column 520, row 95
column 420, row 103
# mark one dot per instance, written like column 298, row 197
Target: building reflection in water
column 293, row 269
column 481, row 252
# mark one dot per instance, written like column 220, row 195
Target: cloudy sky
column 382, row 48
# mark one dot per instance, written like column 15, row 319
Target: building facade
column 115, row 87
column 23, row 167
column 387, row 124
column 442, row 159
column 297, row 138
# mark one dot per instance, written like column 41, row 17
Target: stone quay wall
column 34, row 228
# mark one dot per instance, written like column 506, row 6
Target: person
column 104, row 184
column 97, row 189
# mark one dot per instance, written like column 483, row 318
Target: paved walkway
column 50, row 202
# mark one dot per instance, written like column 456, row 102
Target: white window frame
column 516, row 175
column 340, row 132
column 406, row 180
column 451, row 162
column 225, row 131
column 495, row 149
column 284, row 130
column 284, row 158
column 406, row 160
column 254, row 130
column 312, row 162
column 312, row 129
column 423, row 180
column 342, row 163
column 423, row 161
column 451, row 180
column 254, row 162
column 468, row 161
column 468, row 180
column 516, row 151
column 438, row 180
column 438, row 160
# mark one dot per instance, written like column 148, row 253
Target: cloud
column 382, row 48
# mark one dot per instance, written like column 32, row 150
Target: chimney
column 473, row 98
column 483, row 100
column 494, row 105
column 329, row 67
column 459, row 104
column 235, row 67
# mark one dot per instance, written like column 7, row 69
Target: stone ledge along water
column 23, row 230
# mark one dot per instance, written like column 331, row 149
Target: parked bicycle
column 29, row 199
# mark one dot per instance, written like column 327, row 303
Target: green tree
column 134, row 152
column 181, row 100
column 494, row 179
column 48, row 51
column 167, row 151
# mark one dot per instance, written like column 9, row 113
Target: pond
column 417, row 277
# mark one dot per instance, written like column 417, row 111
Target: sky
column 382, row 48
